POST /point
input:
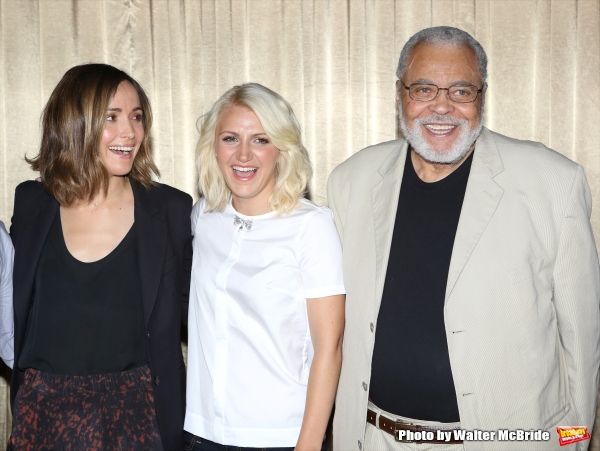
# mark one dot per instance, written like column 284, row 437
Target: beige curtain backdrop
column 334, row 60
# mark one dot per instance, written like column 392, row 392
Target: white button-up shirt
column 250, row 349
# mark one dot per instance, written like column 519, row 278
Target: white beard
column 457, row 151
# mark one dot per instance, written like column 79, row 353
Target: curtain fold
column 333, row 60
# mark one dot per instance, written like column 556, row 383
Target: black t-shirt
column 411, row 374
column 86, row 318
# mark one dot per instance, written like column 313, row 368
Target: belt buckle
column 397, row 435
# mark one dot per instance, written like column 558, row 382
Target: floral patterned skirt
column 97, row 412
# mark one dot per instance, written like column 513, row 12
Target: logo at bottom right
column 572, row 434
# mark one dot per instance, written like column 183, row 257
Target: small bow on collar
column 243, row 223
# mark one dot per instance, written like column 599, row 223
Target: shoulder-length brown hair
column 73, row 121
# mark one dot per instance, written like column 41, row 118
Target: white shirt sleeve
column 320, row 258
column 197, row 210
column 7, row 254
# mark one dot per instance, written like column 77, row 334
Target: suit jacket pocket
column 555, row 419
column 525, row 271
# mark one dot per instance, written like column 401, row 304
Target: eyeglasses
column 424, row 92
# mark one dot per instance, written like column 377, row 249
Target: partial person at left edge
column 101, row 277
column 7, row 254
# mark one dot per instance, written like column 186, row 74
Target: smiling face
column 247, row 159
column 124, row 131
column 440, row 130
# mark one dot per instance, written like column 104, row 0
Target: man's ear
column 398, row 87
column 483, row 91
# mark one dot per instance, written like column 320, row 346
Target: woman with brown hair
column 102, row 260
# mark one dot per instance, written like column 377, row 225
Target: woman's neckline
column 267, row 215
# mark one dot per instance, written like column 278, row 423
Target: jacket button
column 148, row 335
column 359, row 445
column 157, row 381
column 364, row 384
column 372, row 327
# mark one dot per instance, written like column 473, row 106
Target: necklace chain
column 109, row 198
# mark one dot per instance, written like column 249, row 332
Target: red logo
column 572, row 434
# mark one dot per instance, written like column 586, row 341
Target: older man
column 471, row 272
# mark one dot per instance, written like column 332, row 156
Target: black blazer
column 164, row 243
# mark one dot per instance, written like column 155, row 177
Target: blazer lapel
column 151, row 234
column 481, row 200
column 384, row 197
column 32, row 239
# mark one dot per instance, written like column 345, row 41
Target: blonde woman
column 267, row 296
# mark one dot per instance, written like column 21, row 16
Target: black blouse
column 86, row 318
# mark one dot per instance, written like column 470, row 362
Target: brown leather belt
column 394, row 427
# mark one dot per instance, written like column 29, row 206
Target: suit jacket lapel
column 32, row 239
column 481, row 200
column 151, row 234
column 384, row 196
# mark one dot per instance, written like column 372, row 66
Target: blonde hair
column 293, row 169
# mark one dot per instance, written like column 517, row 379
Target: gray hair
column 448, row 36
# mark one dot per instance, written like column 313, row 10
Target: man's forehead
column 428, row 62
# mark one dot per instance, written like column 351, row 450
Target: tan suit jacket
column 521, row 311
